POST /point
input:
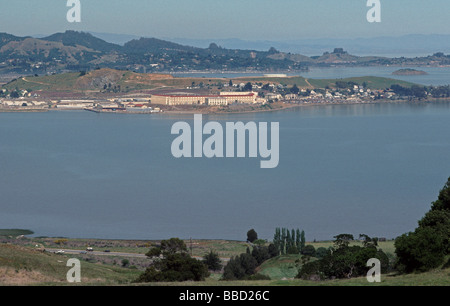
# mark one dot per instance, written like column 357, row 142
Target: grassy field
column 23, row 262
column 130, row 81
column 25, row 266
column 372, row 82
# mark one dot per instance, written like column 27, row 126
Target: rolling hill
column 87, row 40
column 80, row 51
column 127, row 81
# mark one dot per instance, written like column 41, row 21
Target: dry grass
column 10, row 276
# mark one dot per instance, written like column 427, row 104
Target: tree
column 172, row 246
column 248, row 87
column 283, row 241
column 176, row 265
column 298, row 239
column 295, row 89
column 260, row 254
column 302, row 241
column 322, row 252
column 273, row 251
column 343, row 240
column 212, row 260
column 443, row 201
column 345, row 262
column 288, row 240
column 309, row 250
column 252, row 235
column 427, row 246
column 233, row 270
column 240, row 267
column 420, row 251
column 277, row 240
column 367, row 241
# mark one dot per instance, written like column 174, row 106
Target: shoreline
column 279, row 106
column 285, row 106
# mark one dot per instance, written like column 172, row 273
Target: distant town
column 216, row 95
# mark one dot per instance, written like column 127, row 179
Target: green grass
column 386, row 246
column 282, row 267
column 20, row 265
column 58, row 82
column 29, row 266
column 372, row 82
column 433, row 278
column 132, row 81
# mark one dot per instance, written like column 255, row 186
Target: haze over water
column 370, row 169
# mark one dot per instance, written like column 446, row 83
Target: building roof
column 202, row 96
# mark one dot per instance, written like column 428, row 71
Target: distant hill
column 6, row 38
column 74, row 39
column 38, row 50
column 153, row 45
column 81, row 51
column 406, row 45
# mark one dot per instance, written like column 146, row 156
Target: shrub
column 176, row 265
column 419, row 251
column 322, row 252
column 309, row 250
column 212, row 260
column 343, row 262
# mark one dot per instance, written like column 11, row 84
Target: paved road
column 97, row 253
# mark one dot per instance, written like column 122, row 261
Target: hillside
column 41, row 50
column 74, row 39
column 26, row 266
column 6, row 38
column 120, row 81
column 94, row 80
column 80, row 51
column 126, row 81
column 30, row 266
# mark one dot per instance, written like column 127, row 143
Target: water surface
column 370, row 169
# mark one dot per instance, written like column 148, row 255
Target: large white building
column 224, row 98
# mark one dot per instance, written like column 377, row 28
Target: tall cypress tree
column 293, row 238
column 283, row 241
column 288, row 240
column 298, row 240
column 302, row 241
column 277, row 240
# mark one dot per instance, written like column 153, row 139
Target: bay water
column 372, row 169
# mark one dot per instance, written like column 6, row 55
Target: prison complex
column 224, row 98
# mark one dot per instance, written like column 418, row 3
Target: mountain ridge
column 82, row 51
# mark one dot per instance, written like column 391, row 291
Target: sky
column 243, row 19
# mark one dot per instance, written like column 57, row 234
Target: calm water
column 436, row 76
column 370, row 169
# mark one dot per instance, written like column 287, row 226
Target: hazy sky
column 245, row 19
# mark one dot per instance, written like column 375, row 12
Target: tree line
column 289, row 241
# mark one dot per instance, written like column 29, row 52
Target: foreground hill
column 27, row 266
column 30, row 266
